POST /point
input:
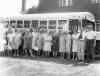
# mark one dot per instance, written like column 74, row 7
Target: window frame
column 65, row 3
column 27, row 24
column 36, row 22
column 95, row 1
column 18, row 23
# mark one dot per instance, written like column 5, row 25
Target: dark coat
column 55, row 43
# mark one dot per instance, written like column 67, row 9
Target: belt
column 47, row 41
column 81, row 40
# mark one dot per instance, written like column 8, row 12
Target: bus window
column 97, row 27
column 27, row 24
column 13, row 24
column 43, row 24
column 6, row 24
column 34, row 24
column 62, row 24
column 52, row 24
column 73, row 24
column 19, row 24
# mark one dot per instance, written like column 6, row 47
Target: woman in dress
column 74, row 45
column 39, row 43
column 47, row 43
column 68, row 44
column 28, row 43
column 17, row 42
column 10, row 37
column 62, row 44
column 20, row 48
column 34, row 33
column 55, row 44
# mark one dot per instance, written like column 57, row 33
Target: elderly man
column 90, row 43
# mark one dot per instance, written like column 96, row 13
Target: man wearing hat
column 90, row 43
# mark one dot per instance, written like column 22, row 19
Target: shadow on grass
column 54, row 60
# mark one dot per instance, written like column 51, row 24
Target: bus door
column 74, row 25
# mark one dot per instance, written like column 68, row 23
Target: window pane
column 27, row 24
column 34, row 24
column 13, row 24
column 52, row 24
column 19, row 24
column 98, row 27
column 66, row 2
column 62, row 24
column 43, row 24
column 6, row 24
column 95, row 1
column 73, row 24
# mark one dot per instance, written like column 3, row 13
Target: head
column 89, row 26
column 30, row 31
column 9, row 27
column 75, row 31
column 16, row 30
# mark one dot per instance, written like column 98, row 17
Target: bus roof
column 69, row 15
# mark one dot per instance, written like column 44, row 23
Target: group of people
column 41, row 42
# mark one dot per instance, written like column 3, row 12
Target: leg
column 88, row 50
column 17, row 50
column 53, row 54
column 82, row 50
column 63, row 55
column 25, row 52
column 92, row 50
column 31, row 53
column 68, row 55
column 73, row 57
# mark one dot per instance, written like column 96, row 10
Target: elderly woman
column 16, row 42
column 28, row 43
column 68, row 44
column 75, row 45
column 47, row 43
column 39, row 42
column 62, row 44
column 55, row 44
column 10, row 39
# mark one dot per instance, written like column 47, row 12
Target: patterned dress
column 62, row 44
column 39, row 42
column 47, row 42
column 28, row 42
column 55, row 43
column 68, row 43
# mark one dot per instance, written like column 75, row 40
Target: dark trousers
column 90, row 51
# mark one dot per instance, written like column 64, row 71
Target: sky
column 13, row 7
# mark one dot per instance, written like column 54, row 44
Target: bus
column 50, row 21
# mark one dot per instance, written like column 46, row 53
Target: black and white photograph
column 49, row 37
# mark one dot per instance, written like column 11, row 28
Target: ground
column 10, row 66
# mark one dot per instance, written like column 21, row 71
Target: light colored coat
column 68, row 43
column 75, row 43
column 39, row 42
column 62, row 44
column 47, row 42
